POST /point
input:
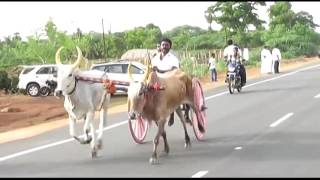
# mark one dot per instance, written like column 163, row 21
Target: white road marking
column 317, row 96
column 199, row 174
column 281, row 120
column 53, row 144
column 124, row 122
column 267, row 80
column 238, row 148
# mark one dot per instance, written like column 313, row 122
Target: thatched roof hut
column 140, row 55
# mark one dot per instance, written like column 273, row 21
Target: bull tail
column 103, row 98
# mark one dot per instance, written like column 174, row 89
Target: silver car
column 118, row 71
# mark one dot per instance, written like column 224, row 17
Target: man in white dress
column 266, row 60
column 165, row 61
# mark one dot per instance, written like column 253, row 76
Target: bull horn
column 129, row 72
column 147, row 72
column 77, row 63
column 58, row 61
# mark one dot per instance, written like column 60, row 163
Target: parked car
column 33, row 78
column 118, row 71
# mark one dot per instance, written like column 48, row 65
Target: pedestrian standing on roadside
column 212, row 67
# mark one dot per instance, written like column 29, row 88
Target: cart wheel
column 138, row 129
column 199, row 118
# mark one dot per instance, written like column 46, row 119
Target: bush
column 14, row 84
column 5, row 82
column 194, row 69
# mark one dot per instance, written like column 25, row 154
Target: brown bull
column 156, row 97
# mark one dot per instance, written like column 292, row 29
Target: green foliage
column 5, row 82
column 221, row 66
column 209, row 40
column 194, row 69
column 293, row 33
column 181, row 35
column 280, row 13
column 254, row 57
column 142, row 37
column 235, row 17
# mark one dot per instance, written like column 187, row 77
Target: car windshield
column 27, row 70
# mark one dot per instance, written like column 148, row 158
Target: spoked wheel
column 231, row 84
column 239, row 88
column 138, row 128
column 199, row 116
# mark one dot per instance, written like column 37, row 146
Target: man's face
column 165, row 47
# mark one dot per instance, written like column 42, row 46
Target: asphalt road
column 270, row 129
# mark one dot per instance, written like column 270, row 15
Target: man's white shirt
column 167, row 62
column 276, row 55
column 212, row 63
column 229, row 52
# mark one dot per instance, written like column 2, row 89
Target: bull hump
column 175, row 73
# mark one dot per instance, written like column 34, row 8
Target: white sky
column 29, row 18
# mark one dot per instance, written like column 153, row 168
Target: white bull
column 81, row 100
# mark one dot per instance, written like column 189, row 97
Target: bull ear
column 129, row 72
column 58, row 61
column 80, row 57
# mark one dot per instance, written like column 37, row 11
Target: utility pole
column 104, row 43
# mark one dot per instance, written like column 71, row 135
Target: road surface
column 270, row 129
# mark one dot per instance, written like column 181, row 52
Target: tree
column 182, row 34
column 143, row 37
column 51, row 30
column 236, row 17
column 281, row 13
column 306, row 19
column 209, row 18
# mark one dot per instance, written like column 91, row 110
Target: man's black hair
column 229, row 42
column 166, row 40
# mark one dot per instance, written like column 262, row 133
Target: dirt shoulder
column 30, row 116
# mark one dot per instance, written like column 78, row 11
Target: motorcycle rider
column 232, row 53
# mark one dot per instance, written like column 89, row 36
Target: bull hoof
column 166, row 150
column 153, row 161
column 187, row 145
column 94, row 154
column 170, row 122
column 82, row 141
column 203, row 108
column 89, row 140
column 99, row 145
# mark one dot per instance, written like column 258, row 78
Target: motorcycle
column 233, row 77
column 49, row 88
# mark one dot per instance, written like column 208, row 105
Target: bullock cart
column 139, row 126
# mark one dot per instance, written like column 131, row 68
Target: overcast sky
column 29, row 18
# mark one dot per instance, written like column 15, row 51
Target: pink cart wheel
column 198, row 117
column 138, row 129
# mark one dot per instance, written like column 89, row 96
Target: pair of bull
column 83, row 98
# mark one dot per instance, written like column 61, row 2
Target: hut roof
column 140, row 55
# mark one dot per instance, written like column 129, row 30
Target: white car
column 32, row 78
column 118, row 71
